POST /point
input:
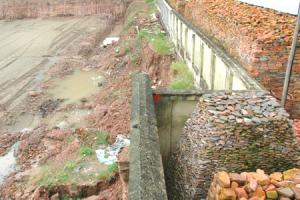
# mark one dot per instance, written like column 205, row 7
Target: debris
column 108, row 155
column 62, row 125
column 26, row 130
column 34, row 93
column 109, row 41
column 8, row 163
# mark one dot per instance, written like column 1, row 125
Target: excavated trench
column 230, row 123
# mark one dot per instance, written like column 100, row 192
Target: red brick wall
column 258, row 38
column 17, row 9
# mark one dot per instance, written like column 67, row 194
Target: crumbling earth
column 59, row 137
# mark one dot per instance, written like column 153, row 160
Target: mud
column 52, row 120
column 77, row 86
column 29, row 48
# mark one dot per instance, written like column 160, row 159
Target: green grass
column 158, row 40
column 182, row 78
column 101, row 138
column 49, row 178
column 86, row 151
column 150, row 1
column 111, row 170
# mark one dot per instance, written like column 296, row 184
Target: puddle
column 24, row 122
column 8, row 163
column 77, row 86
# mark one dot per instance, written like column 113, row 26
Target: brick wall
column 18, row 9
column 258, row 38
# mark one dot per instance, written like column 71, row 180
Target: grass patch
column 111, row 170
column 101, row 138
column 47, row 177
column 182, row 78
column 150, row 1
column 158, row 40
column 86, row 151
column 81, row 165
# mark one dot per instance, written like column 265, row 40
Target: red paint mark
column 156, row 98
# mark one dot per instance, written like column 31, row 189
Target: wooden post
column 290, row 61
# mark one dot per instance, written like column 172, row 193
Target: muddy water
column 77, row 86
column 8, row 163
column 67, row 119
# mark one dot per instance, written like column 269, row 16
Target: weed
column 150, row 1
column 142, row 34
column 111, row 170
column 127, row 50
column 182, row 78
column 158, row 40
column 49, row 177
column 161, row 44
column 86, row 151
column 101, row 138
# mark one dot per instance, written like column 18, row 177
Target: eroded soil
column 60, row 89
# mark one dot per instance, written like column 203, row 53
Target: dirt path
column 28, row 48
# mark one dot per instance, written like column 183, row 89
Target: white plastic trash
column 108, row 155
column 109, row 41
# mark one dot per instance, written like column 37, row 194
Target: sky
column 287, row 6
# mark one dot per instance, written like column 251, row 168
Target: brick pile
column 255, row 185
column 258, row 38
column 230, row 131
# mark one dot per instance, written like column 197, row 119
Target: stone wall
column 146, row 176
column 258, row 38
column 19, row 9
column 255, row 185
column 232, row 132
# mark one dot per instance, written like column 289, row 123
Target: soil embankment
column 58, row 132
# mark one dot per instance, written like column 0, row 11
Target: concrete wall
column 171, row 117
column 146, row 176
column 213, row 69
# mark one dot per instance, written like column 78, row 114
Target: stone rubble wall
column 255, row 185
column 258, row 38
column 231, row 132
column 19, row 9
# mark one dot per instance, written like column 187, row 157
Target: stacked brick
column 258, row 38
column 255, row 185
column 19, row 9
column 230, row 131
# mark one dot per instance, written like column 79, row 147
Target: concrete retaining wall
column 146, row 177
column 171, row 118
column 213, row 69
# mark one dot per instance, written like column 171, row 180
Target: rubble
column 108, row 155
column 234, row 132
column 259, row 38
column 283, row 189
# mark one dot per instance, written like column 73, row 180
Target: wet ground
column 77, row 86
column 28, row 48
column 8, row 163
